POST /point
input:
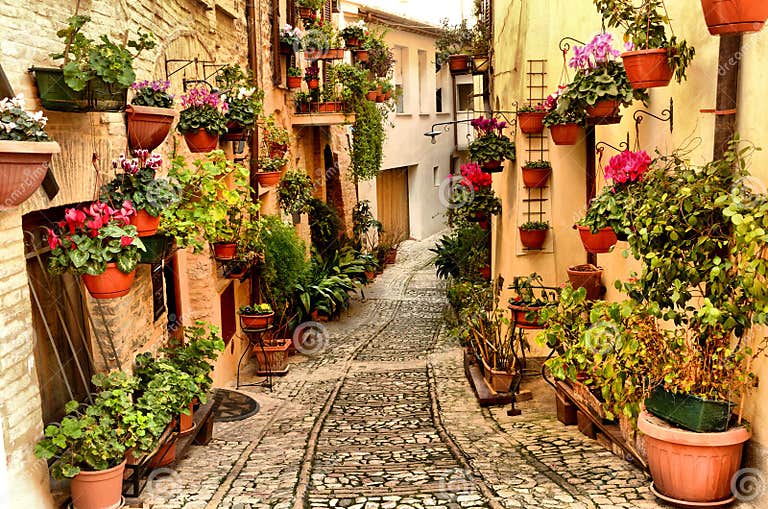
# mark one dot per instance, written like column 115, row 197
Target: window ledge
column 404, row 115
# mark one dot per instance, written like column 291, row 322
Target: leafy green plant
column 488, row 331
column 138, row 184
column 367, row 140
column 645, row 27
column 166, row 390
column 154, row 94
column 462, row 254
column 17, row 124
column 311, row 4
column 483, row 205
column 381, row 59
column 196, row 354
column 324, row 225
column 566, row 112
column 256, row 309
column 327, row 285
column 535, row 226
column 490, row 143
column 454, row 40
column 202, row 110
column 543, row 165
column 352, row 81
column 365, row 227
column 271, row 164
column 244, row 99
column 354, row 31
column 530, row 291
column 294, row 192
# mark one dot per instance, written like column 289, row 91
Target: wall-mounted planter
column 690, row 412
column 531, row 122
column 56, row 95
column 294, row 81
column 23, row 165
column 201, row 140
column 235, row 132
column 597, row 243
column 565, row 134
column 324, row 54
column 533, row 239
column 492, row 166
column 458, row 64
column 647, row 68
column 481, row 64
column 268, row 178
column 313, row 84
column 535, row 178
column 110, row 284
column 604, row 109
column 734, row 16
column 148, row 126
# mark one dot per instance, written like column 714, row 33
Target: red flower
column 53, row 240
column 126, row 241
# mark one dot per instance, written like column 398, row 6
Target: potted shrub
column 530, row 119
column 150, row 114
column 600, row 85
column 276, row 138
column 353, row 34
column 533, row 234
column 473, row 200
column 202, row 120
column 97, row 242
column 244, row 101
column 564, row 119
column 536, row 173
column 652, row 57
column 25, row 151
column 454, row 46
column 270, row 170
column 94, row 76
column 735, row 16
column 91, row 441
column 312, row 77
column 491, row 147
column 294, row 192
column 529, row 298
column 256, row 316
column 290, row 39
column 294, row 77
column 307, row 9
column 139, row 185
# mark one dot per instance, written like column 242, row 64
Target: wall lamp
column 445, row 127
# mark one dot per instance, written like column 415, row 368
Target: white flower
column 10, row 126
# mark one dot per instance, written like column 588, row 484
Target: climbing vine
column 368, row 139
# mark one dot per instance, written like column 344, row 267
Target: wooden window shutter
column 276, row 57
column 290, row 16
column 327, row 10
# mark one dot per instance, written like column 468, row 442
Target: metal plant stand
column 256, row 338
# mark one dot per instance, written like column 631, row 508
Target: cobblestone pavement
column 383, row 418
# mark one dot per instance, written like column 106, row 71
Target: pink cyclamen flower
column 628, row 167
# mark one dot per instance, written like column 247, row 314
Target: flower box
column 56, row 95
column 690, row 412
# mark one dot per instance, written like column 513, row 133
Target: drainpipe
column 727, row 92
column 253, row 65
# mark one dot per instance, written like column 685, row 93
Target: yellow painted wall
column 531, row 30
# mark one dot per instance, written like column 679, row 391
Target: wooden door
column 392, row 196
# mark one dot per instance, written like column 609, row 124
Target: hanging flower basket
column 145, row 224
column 565, row 134
column 201, row 140
column 294, row 81
column 492, row 166
column 110, row 284
column 734, row 16
column 148, row 126
column 533, row 239
column 604, row 109
column 535, row 178
column 23, row 165
column 362, row 55
column 459, row 64
column 98, row 489
column 268, row 178
column 313, row 84
column 224, row 250
column 531, row 122
column 647, row 68
column 597, row 243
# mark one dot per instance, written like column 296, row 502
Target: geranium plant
column 203, row 109
column 294, row 72
column 152, row 93
column 138, row 184
column 17, row 124
column 197, row 354
column 90, row 237
column 270, row 164
column 542, row 165
column 490, row 145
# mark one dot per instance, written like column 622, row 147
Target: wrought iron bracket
column 601, row 146
column 565, row 45
column 667, row 115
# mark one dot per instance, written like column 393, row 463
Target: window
column 439, row 100
column 465, row 96
column 401, row 78
column 436, row 176
column 228, row 318
column 424, row 95
column 158, row 290
column 400, row 106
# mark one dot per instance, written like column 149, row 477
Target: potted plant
column 270, row 170
column 530, row 119
column 312, row 77
column 600, row 85
column 139, row 185
column 463, row 253
column 256, row 316
column 481, row 45
column 307, row 9
column 97, row 242
column 150, row 114
column 276, row 138
column 734, row 17
column 91, row 441
column 564, row 118
column 536, row 173
column 597, row 234
column 290, row 39
column 373, row 91
column 491, row 147
column 323, row 42
column 354, row 33
column 454, row 45
column 533, row 234
column 272, row 357
column 381, row 59
column 652, row 57
column 589, row 277
column 294, row 77
column 363, row 52
column 25, row 151
column 203, row 119
column 294, row 192
column 95, row 76
column 244, row 101
column 530, row 297
column 303, row 101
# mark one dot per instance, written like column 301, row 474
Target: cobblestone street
column 381, row 416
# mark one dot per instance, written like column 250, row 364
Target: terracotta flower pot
column 371, row 95
column 187, row 422
column 734, row 16
column 302, row 107
column 165, row 455
column 458, row 64
column 565, row 134
column 294, row 81
column 533, row 239
column 268, row 178
column 23, row 165
column 110, row 284
column 604, row 109
column 98, row 490
column 273, row 358
column 535, row 178
column 313, row 84
column 224, row 250
column 352, row 42
column 492, row 166
column 329, row 107
column 380, row 97
column 362, row 55
column 520, row 317
column 647, row 68
column 145, row 223
column 201, row 140
column 235, row 132
column 597, row 243
column 588, row 277
column 256, row 321
column 691, row 467
column 148, row 126
column 531, row 122
column 499, row 381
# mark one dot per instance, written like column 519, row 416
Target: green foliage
column 365, row 228
column 84, row 59
column 352, row 82
column 20, row 125
column 535, row 226
column 454, row 40
column 294, row 192
column 482, row 206
column 566, row 112
column 367, row 140
column 530, row 291
column 462, row 254
column 196, row 354
column 166, row 391
column 272, row 164
column 154, row 94
column 256, row 309
column 543, row 165
column 607, row 82
column 311, row 4
column 645, row 26
column 244, row 99
column 492, row 147
column 142, row 189
column 381, row 60
column 325, row 226
column 327, row 285
column 613, row 207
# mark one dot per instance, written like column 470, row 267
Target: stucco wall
column 531, row 30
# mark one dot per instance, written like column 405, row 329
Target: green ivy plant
column 272, row 164
column 294, row 192
column 85, row 60
column 367, row 140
